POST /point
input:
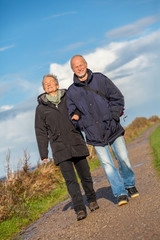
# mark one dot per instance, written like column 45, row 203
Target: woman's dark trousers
column 68, row 172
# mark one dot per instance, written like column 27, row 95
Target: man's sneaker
column 133, row 192
column 81, row 215
column 122, row 199
column 93, row 206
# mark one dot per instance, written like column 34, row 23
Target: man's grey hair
column 52, row 76
column 77, row 56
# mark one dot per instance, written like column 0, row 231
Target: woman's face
column 50, row 86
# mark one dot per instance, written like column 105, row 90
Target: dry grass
column 23, row 186
column 138, row 125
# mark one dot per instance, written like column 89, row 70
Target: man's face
column 79, row 66
column 50, row 85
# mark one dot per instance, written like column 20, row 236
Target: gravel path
column 139, row 219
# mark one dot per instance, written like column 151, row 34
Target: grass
column 93, row 163
column 34, row 208
column 155, row 144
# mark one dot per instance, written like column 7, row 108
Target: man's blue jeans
column 124, row 178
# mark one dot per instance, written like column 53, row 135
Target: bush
column 138, row 125
column 27, row 185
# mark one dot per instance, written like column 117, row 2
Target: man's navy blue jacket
column 99, row 117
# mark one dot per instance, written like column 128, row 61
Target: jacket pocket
column 114, row 126
column 58, row 148
column 87, row 122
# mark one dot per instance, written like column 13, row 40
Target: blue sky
column 120, row 38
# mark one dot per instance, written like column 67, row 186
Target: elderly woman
column 68, row 146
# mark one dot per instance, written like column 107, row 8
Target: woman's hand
column 45, row 160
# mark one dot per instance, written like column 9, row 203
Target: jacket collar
column 78, row 82
column 42, row 97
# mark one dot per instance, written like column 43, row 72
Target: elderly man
column 100, row 104
column 68, row 146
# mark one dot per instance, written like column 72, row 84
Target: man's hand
column 75, row 117
column 45, row 160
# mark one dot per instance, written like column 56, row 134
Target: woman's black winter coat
column 53, row 125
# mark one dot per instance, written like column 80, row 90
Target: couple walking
column 91, row 107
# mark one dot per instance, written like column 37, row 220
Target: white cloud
column 133, row 66
column 7, row 47
column 63, row 72
column 73, row 46
column 18, row 128
column 5, row 108
column 18, row 134
column 60, row 15
column 13, row 83
column 133, row 29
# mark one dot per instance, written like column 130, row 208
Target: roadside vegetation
column 155, row 144
column 139, row 125
column 26, row 194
